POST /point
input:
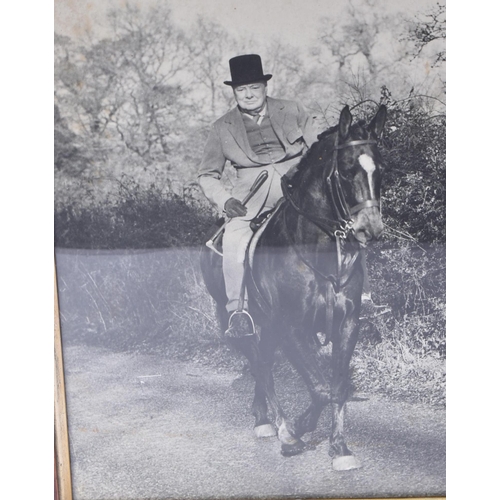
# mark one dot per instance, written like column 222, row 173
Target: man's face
column 251, row 97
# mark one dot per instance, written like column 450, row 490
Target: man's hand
column 234, row 208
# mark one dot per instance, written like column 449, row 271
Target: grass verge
column 155, row 301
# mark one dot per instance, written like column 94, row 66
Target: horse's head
column 355, row 175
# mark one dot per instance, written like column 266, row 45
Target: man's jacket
column 228, row 142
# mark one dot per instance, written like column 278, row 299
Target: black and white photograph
column 250, row 248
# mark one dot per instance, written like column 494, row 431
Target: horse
column 305, row 281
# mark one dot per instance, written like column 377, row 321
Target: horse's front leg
column 264, row 386
column 343, row 344
column 303, row 355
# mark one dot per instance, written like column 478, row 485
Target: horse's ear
column 378, row 121
column 345, row 122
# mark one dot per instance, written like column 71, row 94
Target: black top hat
column 246, row 69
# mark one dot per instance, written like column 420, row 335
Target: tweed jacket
column 228, row 142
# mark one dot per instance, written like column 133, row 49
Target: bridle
column 343, row 223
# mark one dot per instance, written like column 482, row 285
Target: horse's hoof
column 347, row 462
column 289, row 450
column 264, row 431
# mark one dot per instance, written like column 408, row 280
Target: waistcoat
column 263, row 140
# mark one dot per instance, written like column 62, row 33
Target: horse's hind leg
column 261, row 359
column 264, row 384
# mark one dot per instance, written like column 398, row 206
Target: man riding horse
column 260, row 134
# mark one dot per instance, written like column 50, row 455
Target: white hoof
column 284, row 436
column 264, row 431
column 347, row 462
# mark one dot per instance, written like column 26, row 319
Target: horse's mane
column 327, row 132
column 322, row 150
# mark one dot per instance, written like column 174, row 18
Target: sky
column 291, row 21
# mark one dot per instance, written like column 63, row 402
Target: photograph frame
column 62, row 462
column 63, row 466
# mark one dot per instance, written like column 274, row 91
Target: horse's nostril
column 378, row 231
column 363, row 236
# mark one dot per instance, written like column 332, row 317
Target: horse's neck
column 313, row 224
column 310, row 203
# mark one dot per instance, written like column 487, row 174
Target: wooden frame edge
column 63, row 488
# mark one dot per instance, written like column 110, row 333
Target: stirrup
column 242, row 311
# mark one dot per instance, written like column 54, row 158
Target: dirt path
column 148, row 427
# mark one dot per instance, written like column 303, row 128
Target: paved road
column 142, row 426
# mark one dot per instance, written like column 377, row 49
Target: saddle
column 257, row 224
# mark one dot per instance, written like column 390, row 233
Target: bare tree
column 210, row 47
column 150, row 56
column 429, row 29
column 369, row 47
column 131, row 81
column 354, row 41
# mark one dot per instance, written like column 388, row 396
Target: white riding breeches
column 238, row 233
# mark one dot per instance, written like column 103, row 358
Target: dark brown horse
column 306, row 279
